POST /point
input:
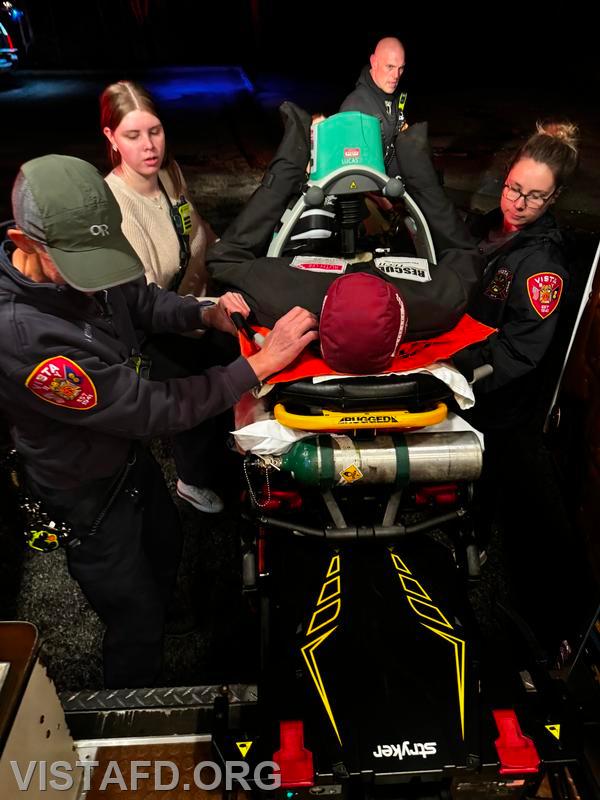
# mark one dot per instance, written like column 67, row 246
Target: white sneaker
column 200, row 497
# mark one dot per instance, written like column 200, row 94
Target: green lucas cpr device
column 348, row 139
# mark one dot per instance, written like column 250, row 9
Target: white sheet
column 268, row 437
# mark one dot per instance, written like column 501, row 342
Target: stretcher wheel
column 473, row 563
column 249, row 570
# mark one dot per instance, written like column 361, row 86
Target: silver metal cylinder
column 432, row 458
column 376, row 459
column 439, row 457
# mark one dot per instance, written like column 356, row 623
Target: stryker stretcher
column 369, row 673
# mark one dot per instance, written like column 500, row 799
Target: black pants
column 550, row 581
column 127, row 569
column 198, row 452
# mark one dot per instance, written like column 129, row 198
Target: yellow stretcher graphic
column 422, row 604
column 323, row 624
column 397, row 419
column 323, row 620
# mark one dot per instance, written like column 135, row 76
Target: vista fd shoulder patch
column 60, row 381
column 544, row 290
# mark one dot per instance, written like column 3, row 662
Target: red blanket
column 411, row 355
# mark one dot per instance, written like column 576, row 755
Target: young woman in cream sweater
column 170, row 239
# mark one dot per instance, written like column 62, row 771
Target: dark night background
column 466, row 44
column 480, row 73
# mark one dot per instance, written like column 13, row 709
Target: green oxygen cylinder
column 326, row 461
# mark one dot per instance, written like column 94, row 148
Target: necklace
column 156, row 199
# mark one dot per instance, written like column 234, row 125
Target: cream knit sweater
column 148, row 227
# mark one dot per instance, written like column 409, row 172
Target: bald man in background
column 378, row 93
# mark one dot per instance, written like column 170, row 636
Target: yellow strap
column 353, row 420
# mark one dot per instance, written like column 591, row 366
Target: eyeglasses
column 531, row 200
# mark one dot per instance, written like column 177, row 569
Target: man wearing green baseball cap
column 72, row 298
column 78, row 223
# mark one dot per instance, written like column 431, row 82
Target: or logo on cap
column 66, row 204
column 99, row 230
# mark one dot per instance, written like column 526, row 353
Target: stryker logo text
column 400, row 751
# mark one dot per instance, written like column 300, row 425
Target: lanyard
column 181, row 217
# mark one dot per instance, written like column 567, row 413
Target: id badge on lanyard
column 182, row 216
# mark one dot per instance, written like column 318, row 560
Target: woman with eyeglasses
column 525, row 279
column 522, row 292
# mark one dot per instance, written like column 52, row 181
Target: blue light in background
column 198, row 81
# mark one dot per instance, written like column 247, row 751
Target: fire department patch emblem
column 60, row 381
column 544, row 290
column 499, row 285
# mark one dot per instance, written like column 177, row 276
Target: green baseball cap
column 65, row 204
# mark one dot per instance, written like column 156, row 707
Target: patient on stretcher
column 436, row 285
column 380, row 314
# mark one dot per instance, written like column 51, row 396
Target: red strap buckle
column 516, row 751
column 295, row 761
